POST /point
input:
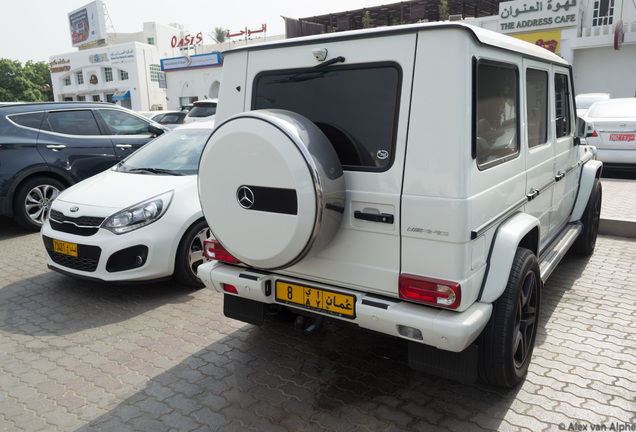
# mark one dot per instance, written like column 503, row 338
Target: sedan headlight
column 139, row 215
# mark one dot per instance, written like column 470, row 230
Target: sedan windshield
column 175, row 153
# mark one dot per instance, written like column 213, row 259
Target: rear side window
column 71, row 122
column 537, row 106
column 355, row 107
column 496, row 104
column 30, row 120
column 122, row 123
column 563, row 103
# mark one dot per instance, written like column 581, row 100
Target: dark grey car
column 46, row 147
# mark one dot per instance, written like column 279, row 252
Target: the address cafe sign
column 524, row 15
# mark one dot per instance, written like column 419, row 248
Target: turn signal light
column 433, row 292
column 213, row 250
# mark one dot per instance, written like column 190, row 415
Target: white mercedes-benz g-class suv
column 421, row 181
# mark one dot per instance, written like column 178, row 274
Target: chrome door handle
column 56, row 147
column 123, row 146
column 532, row 194
column 559, row 176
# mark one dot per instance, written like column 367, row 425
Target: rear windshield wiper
column 317, row 70
column 155, row 171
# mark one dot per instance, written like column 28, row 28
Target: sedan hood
column 117, row 190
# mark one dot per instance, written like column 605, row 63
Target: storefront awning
column 121, row 95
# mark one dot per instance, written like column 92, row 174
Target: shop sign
column 191, row 62
column 55, row 67
column 522, row 15
column 549, row 40
column 98, row 58
column 187, row 41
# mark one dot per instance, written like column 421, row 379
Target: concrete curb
column 617, row 227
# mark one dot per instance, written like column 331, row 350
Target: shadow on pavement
column 271, row 378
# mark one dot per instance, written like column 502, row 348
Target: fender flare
column 590, row 172
column 504, row 246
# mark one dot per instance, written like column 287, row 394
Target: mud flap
column 246, row 310
column 461, row 366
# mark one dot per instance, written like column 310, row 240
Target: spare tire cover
column 271, row 188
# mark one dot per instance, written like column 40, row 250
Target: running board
column 557, row 250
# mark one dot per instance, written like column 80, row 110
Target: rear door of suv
column 360, row 102
column 71, row 140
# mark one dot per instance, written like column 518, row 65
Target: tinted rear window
column 32, row 120
column 355, row 107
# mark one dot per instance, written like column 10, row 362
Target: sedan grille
column 83, row 225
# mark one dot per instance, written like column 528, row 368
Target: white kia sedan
column 138, row 221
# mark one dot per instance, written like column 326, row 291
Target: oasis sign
column 187, row 41
column 522, row 15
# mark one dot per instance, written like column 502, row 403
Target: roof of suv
column 483, row 36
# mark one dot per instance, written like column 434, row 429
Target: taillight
column 430, row 291
column 213, row 250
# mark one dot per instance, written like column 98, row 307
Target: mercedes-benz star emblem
column 245, row 197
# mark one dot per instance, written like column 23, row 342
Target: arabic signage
column 122, row 56
column 190, row 62
column 56, row 68
column 522, row 15
column 87, row 24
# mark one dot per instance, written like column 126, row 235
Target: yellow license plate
column 319, row 300
column 65, row 248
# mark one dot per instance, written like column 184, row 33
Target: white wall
column 605, row 70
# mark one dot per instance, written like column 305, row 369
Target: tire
column 586, row 242
column 190, row 255
column 33, row 199
column 507, row 342
column 271, row 188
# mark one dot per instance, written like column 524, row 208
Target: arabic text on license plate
column 333, row 303
column 65, row 248
column 622, row 137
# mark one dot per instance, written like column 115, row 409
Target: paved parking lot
column 76, row 355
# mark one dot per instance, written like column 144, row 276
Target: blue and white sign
column 191, row 62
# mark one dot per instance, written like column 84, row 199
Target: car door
column 539, row 145
column 567, row 170
column 71, row 141
column 127, row 131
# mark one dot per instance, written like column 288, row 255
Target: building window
column 123, row 75
column 67, row 81
column 603, row 12
column 108, row 74
column 151, row 41
column 80, row 78
column 154, row 72
column 81, row 98
column 96, row 98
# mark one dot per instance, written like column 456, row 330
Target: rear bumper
column 443, row 329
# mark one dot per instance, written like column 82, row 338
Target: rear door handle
column 559, row 176
column 532, row 195
column 56, row 147
column 373, row 217
column 124, row 146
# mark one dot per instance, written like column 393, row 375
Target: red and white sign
column 187, row 41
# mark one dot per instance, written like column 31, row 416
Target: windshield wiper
column 314, row 69
column 155, row 171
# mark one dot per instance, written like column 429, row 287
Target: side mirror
column 156, row 129
column 584, row 129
